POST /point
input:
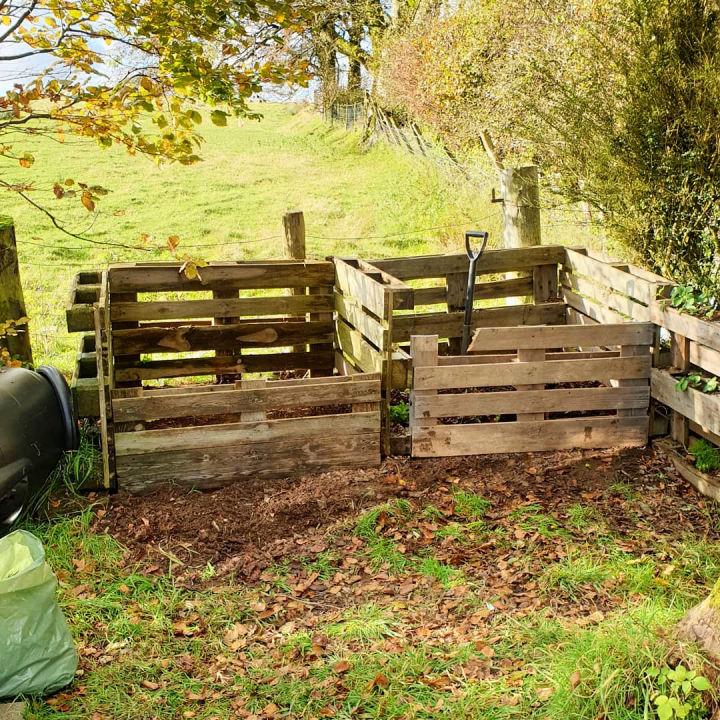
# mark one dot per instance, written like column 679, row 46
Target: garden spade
column 473, row 257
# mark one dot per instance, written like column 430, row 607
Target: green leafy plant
column 697, row 381
column 689, row 299
column 679, row 693
column 707, row 456
column 400, row 413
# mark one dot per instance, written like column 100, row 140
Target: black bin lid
column 62, row 393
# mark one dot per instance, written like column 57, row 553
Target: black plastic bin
column 36, row 426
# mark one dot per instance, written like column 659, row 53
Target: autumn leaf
column 173, row 241
column 379, row 681
column 544, row 693
column 341, row 666
column 87, row 200
column 58, row 191
column 27, row 160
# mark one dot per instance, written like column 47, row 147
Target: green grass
column 374, row 202
column 151, row 641
column 357, row 201
column 471, row 506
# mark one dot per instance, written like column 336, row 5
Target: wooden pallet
column 454, row 387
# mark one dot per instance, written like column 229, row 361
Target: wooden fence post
column 520, row 189
column 294, row 224
column 12, row 302
column 520, row 197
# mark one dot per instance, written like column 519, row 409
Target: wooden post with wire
column 294, row 226
column 520, row 198
column 16, row 338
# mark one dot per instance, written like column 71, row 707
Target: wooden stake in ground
column 520, row 197
column 294, row 224
column 12, row 303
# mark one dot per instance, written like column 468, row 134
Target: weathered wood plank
column 700, row 407
column 633, row 351
column 705, row 358
column 492, row 261
column 702, row 331
column 446, row 325
column 366, row 324
column 544, row 283
column 155, row 406
column 220, row 337
column 402, row 294
column 604, row 295
column 703, row 483
column 209, row 468
column 509, row 402
column 560, row 336
column 357, row 348
column 187, row 367
column 507, row 357
column 563, row 434
column 293, row 305
column 534, row 356
column 622, row 282
column 359, row 286
column 594, row 310
column 424, row 352
column 157, row 277
column 209, row 436
column 495, row 290
column 549, row 371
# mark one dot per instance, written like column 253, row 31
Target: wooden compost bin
column 154, row 324
column 383, row 304
column 695, row 348
column 532, row 388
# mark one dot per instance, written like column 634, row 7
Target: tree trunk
column 702, row 624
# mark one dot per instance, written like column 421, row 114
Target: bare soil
column 246, row 527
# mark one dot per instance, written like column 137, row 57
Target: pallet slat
column 560, row 336
column 515, row 287
column 563, row 434
column 695, row 405
column 209, row 468
column 188, row 367
column 359, row 286
column 292, row 305
column 492, row 261
column 622, row 282
column 508, row 402
column 447, row 325
column 188, row 338
column 550, row 371
column 151, row 406
column 157, row 277
column 212, row 436
column 606, row 296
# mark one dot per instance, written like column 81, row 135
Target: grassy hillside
column 231, row 203
column 357, row 201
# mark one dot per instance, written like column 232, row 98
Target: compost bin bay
column 300, row 360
